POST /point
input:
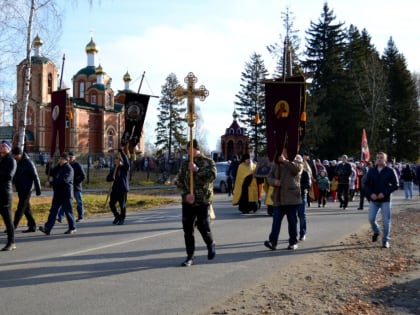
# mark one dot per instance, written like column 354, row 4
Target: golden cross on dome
column 190, row 93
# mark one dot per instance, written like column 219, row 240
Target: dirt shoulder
column 354, row 276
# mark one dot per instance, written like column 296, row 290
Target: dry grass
column 95, row 203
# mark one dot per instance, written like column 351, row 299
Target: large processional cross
column 190, row 93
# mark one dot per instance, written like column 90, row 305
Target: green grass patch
column 95, row 204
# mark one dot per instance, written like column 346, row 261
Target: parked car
column 221, row 181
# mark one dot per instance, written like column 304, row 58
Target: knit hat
column 7, row 144
column 16, row 151
column 325, row 162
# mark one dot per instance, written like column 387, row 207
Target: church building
column 94, row 112
column 234, row 141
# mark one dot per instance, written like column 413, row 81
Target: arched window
column 49, row 83
column 239, row 131
column 231, row 131
column 82, row 89
column 93, row 98
column 110, row 139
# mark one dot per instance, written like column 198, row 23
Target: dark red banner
column 58, row 117
column 285, row 110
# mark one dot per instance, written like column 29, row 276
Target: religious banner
column 365, row 156
column 58, row 117
column 285, row 110
column 135, row 113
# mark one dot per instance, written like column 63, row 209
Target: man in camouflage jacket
column 195, row 204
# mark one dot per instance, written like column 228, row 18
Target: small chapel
column 94, row 112
column 235, row 141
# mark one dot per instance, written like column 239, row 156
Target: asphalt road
column 135, row 268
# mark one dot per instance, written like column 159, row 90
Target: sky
column 213, row 39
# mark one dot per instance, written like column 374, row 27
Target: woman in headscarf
column 245, row 193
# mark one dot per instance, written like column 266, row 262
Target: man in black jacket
column 343, row 190
column 118, row 175
column 25, row 178
column 7, row 171
column 79, row 177
column 62, row 184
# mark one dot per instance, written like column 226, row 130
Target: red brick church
column 94, row 113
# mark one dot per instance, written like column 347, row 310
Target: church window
column 110, row 140
column 238, row 131
column 49, row 83
column 231, row 131
column 93, row 98
column 82, row 89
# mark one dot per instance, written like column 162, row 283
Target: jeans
column 278, row 213
column 67, row 208
column 343, row 194
column 408, row 190
column 80, row 208
column 385, row 207
column 301, row 213
column 79, row 201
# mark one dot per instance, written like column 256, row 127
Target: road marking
column 118, row 243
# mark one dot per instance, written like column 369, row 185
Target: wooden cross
column 190, row 93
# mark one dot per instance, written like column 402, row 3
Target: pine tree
column 251, row 104
column 366, row 79
column 328, row 115
column 171, row 126
column 402, row 108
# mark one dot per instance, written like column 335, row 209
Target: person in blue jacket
column 62, row 183
column 381, row 181
column 118, row 175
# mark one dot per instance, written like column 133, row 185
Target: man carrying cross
column 195, row 180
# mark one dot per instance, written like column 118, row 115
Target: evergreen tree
column 328, row 114
column 171, row 126
column 402, row 108
column 366, row 79
column 251, row 104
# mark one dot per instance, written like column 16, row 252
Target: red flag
column 365, row 156
column 285, row 108
column 58, row 117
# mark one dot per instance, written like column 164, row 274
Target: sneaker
column 375, row 237
column 120, row 222
column 359, row 208
column 188, row 262
column 211, row 251
column 59, row 220
column 70, row 231
column 293, row 247
column 9, row 247
column 270, row 245
column 116, row 220
column 44, row 230
column 302, row 238
column 80, row 220
column 385, row 244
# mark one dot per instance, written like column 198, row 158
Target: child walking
column 323, row 188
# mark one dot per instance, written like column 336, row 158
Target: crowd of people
column 290, row 184
column 320, row 181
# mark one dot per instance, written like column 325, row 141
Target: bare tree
column 18, row 21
